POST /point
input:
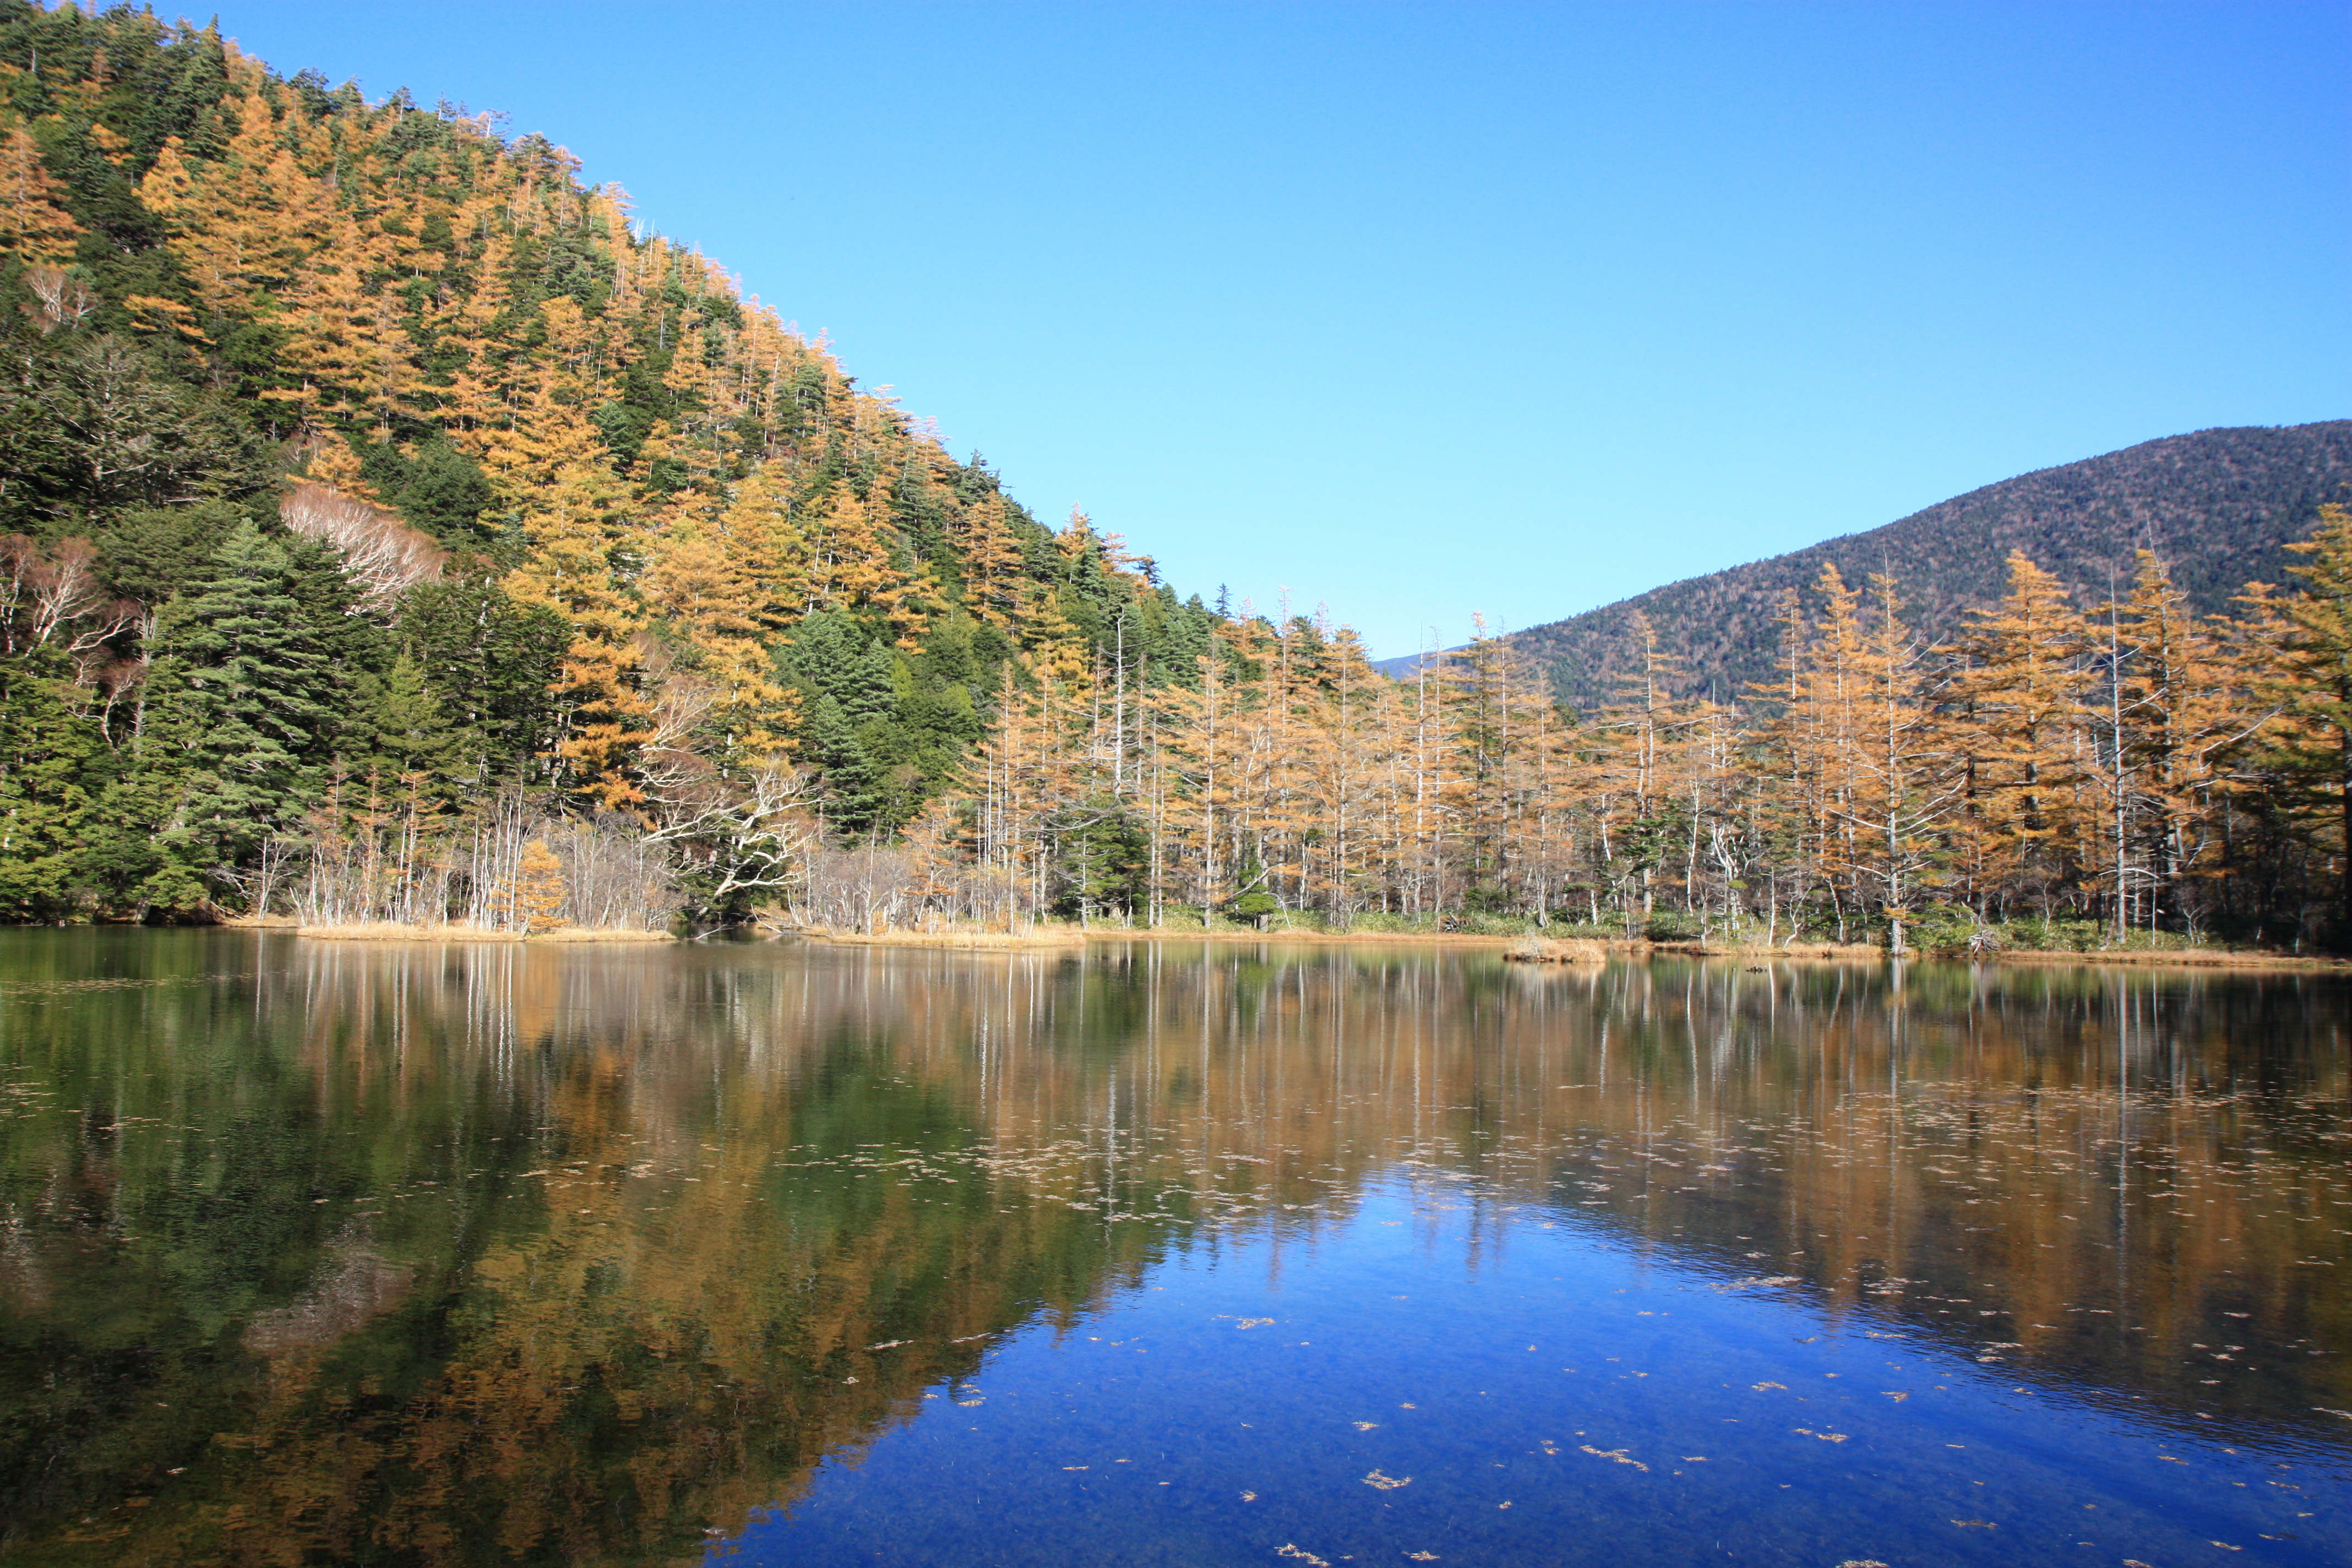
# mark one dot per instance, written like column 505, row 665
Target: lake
column 1192, row 1254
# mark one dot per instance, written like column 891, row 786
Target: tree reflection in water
column 445, row 1255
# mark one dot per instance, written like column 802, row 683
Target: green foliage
column 1947, row 928
column 437, row 489
column 1106, row 856
column 490, row 663
column 1251, row 901
column 91, row 428
column 1673, row 925
column 50, row 755
column 885, row 729
column 150, row 552
column 2033, row 933
column 402, row 729
column 243, row 693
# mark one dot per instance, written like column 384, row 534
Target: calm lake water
column 1168, row 1254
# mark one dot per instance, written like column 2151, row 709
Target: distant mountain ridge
column 2220, row 505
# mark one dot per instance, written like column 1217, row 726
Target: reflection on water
column 332, row 1252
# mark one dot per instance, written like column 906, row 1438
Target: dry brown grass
column 1573, row 949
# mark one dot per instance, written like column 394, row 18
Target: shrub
column 1674, row 925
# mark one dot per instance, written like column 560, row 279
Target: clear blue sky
column 1422, row 310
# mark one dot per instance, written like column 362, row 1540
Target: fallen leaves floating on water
column 1615, row 1455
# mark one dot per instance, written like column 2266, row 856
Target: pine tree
column 1903, row 797
column 2021, row 693
column 575, row 529
column 49, row 757
column 34, row 225
column 239, row 702
column 2312, row 678
column 532, row 898
column 403, row 728
column 992, row 564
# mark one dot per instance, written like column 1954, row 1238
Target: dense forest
column 394, row 531
column 373, row 491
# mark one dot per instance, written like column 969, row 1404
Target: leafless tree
column 63, row 298
column 382, row 554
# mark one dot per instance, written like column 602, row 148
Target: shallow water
column 1166, row 1254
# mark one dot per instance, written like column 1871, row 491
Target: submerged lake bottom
column 1162, row 1254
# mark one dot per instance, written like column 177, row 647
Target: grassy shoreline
column 1067, row 938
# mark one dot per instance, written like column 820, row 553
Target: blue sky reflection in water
column 1165, row 1254
column 1421, row 1378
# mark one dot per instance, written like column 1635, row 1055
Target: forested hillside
column 567, row 512
column 2219, row 506
column 392, row 533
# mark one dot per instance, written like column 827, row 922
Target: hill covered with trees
column 359, row 459
column 2218, row 506
column 391, row 530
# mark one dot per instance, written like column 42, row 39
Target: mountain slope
column 2220, row 505
column 529, row 498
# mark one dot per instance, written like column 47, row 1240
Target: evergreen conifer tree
column 242, row 690
column 48, row 750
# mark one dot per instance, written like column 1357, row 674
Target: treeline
column 2127, row 768
column 367, row 481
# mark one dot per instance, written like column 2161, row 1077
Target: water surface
column 1163, row 1254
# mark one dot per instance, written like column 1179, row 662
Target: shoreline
column 1364, row 938
column 1639, row 948
column 394, row 931
column 960, row 940
column 2189, row 958
column 1060, row 937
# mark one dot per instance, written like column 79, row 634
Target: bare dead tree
column 63, row 298
column 382, row 554
column 743, row 827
